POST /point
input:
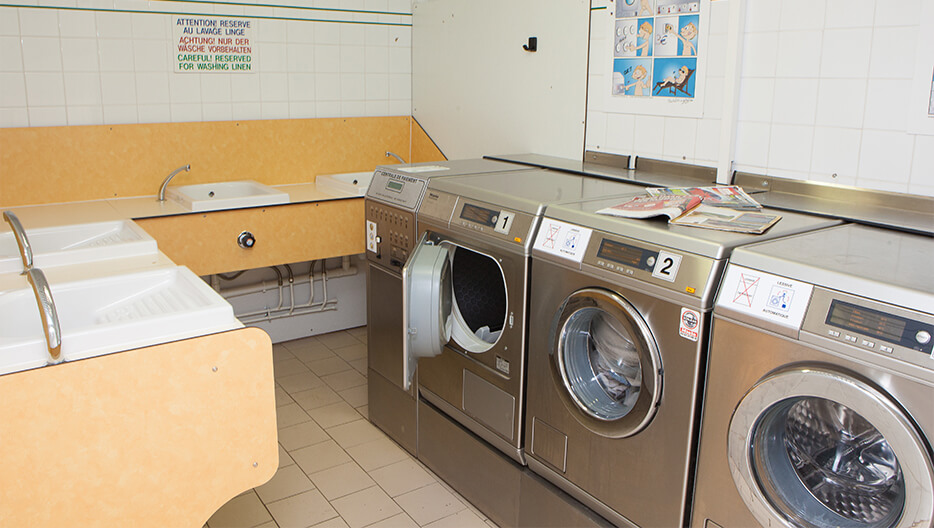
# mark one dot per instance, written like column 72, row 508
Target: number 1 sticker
column 666, row 266
column 504, row 222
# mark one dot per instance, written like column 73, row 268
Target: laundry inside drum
column 479, row 299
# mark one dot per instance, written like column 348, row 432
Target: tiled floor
column 335, row 468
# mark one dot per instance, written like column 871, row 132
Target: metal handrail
column 53, row 333
column 25, row 250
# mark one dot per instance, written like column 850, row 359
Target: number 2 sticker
column 666, row 266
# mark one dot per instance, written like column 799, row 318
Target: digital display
column 868, row 322
column 624, row 254
column 479, row 215
column 394, row 185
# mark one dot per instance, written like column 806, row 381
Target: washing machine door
column 812, row 447
column 606, row 363
column 427, row 305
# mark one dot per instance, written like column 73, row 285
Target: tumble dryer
column 820, row 411
column 391, row 202
column 619, row 316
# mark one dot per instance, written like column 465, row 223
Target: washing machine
column 619, row 320
column 391, row 202
column 820, row 408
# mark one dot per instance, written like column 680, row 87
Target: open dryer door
column 427, row 305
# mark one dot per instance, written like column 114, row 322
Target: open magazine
column 731, row 196
column 644, row 206
column 724, row 219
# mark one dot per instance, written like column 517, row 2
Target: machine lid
column 427, row 312
column 875, row 263
column 704, row 242
column 529, row 190
column 431, row 169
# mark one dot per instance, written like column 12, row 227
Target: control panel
column 390, row 234
column 484, row 218
column 396, row 189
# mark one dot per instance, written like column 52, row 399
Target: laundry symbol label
column 689, row 327
column 746, row 289
column 561, row 239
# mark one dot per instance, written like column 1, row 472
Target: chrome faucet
column 25, row 250
column 50, row 324
column 168, row 178
column 393, row 154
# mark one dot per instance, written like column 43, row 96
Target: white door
column 812, row 447
column 427, row 311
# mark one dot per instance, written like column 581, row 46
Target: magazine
column 644, row 206
column 731, row 196
column 727, row 219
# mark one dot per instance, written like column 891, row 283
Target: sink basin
column 77, row 244
column 226, row 195
column 105, row 315
column 354, row 183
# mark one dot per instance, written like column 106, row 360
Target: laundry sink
column 354, row 183
column 77, row 244
column 226, row 195
column 111, row 314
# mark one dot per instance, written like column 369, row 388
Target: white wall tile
column 353, row 87
column 400, row 108
column 117, row 55
column 850, row 13
column 327, row 33
column 80, row 55
column 152, row 88
column 834, row 152
column 299, row 32
column 185, row 88
column 45, row 89
column 649, row 136
column 327, row 108
column 157, row 113
column 353, row 59
column 376, row 108
column 755, row 99
column 795, row 101
column 353, row 35
column 12, row 90
column 897, row 12
column 151, row 56
column 271, row 31
column 707, row 149
column 328, row 88
column 922, row 165
column 118, row 89
column 400, row 36
column 301, row 109
column 619, row 133
column 301, row 58
column 719, row 18
column 114, row 25
column 82, row 89
column 186, row 112
column 150, row 26
column 327, row 59
column 752, row 144
column 47, row 116
column 400, row 60
column 713, row 99
column 887, row 104
column 763, row 16
column 9, row 27
column 216, row 87
column 11, row 55
column 377, row 59
column 13, row 117
column 760, row 54
column 216, row 111
column 274, row 87
column 883, row 185
column 85, row 115
column 77, row 24
column 716, row 50
column 38, row 22
column 595, row 132
column 680, row 138
column 845, row 53
column 41, row 54
column 803, row 14
column 244, row 88
column 376, row 36
column 885, row 155
column 275, row 110
column 790, row 147
column 121, row 114
column 247, row 111
column 301, row 89
column 400, row 86
column 273, row 58
column 841, row 103
column 799, row 54
column 893, row 53
column 377, row 86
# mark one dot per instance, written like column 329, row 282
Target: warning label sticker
column 689, row 327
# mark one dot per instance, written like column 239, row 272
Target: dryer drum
column 479, row 292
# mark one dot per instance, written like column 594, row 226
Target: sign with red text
column 214, row 44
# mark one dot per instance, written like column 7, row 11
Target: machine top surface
column 880, row 264
column 530, row 190
column 431, row 169
column 705, row 242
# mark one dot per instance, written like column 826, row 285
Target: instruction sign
column 765, row 296
column 214, row 44
column 564, row 240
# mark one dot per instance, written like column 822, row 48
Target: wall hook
column 532, row 45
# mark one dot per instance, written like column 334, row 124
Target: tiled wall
column 87, row 62
column 822, row 97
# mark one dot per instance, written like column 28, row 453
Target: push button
column 833, row 333
column 886, row 349
column 868, row 344
column 851, row 339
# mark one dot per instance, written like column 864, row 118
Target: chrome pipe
column 394, row 155
column 25, row 250
column 50, row 324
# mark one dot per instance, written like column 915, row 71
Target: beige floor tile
column 301, row 435
column 357, row 332
column 337, row 339
column 430, row 503
column 317, row 397
column 377, row 454
column 305, row 343
column 302, row 510
column 289, row 367
column 286, row 482
column 280, row 353
column 282, row 397
column 300, row 382
column 355, row 433
column 336, row 522
column 308, row 355
column 284, row 458
column 344, row 380
column 334, row 414
column 314, row 458
column 289, row 415
column 364, row 410
column 491, row 524
column 401, row 520
column 341, row 480
column 359, row 365
column 242, row 511
column 270, row 524
column 366, row 507
column 402, row 477
column 355, row 396
column 352, row 352
column 323, row 367
column 461, row 519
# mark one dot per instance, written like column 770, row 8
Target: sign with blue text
column 214, row 44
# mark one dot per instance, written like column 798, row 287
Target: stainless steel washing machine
column 619, row 316
column 391, row 201
column 820, row 408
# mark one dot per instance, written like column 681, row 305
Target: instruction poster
column 214, row 44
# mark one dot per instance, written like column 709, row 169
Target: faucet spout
column 394, row 155
column 168, row 178
column 25, row 250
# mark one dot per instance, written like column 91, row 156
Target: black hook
column 532, row 45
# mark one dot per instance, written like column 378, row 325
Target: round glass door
column 829, row 451
column 607, row 363
column 478, row 290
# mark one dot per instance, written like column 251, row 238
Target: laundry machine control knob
column 923, row 337
column 246, row 240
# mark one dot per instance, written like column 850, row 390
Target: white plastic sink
column 106, row 315
column 226, row 195
column 77, row 244
column 354, row 183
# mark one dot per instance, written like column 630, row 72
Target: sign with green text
column 214, row 44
